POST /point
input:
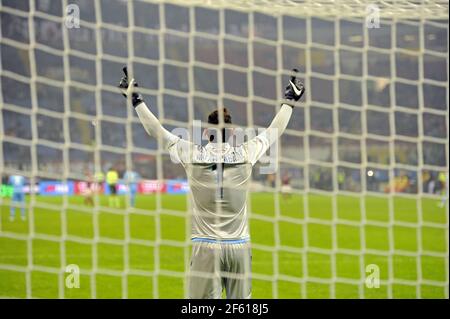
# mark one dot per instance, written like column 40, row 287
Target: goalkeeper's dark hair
column 213, row 118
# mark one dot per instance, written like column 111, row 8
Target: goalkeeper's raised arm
column 257, row 146
column 151, row 124
column 293, row 92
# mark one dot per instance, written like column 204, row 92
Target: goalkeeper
column 219, row 176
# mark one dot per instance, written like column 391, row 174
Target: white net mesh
column 402, row 9
column 361, row 169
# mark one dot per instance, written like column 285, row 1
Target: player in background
column 131, row 179
column 341, row 179
column 112, row 177
column 442, row 177
column 99, row 180
column 18, row 196
column 88, row 191
column 219, row 177
column 286, row 188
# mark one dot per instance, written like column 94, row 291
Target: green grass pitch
column 290, row 261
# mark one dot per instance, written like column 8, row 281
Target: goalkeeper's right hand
column 128, row 87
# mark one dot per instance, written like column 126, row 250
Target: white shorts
column 218, row 266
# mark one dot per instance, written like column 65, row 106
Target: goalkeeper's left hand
column 127, row 87
column 294, row 90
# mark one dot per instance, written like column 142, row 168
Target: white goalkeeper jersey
column 219, row 176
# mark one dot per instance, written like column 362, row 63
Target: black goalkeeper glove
column 295, row 89
column 128, row 87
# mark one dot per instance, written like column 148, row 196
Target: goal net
column 357, row 207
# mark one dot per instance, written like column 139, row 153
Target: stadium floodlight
column 352, row 210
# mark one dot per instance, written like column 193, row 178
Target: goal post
column 356, row 208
